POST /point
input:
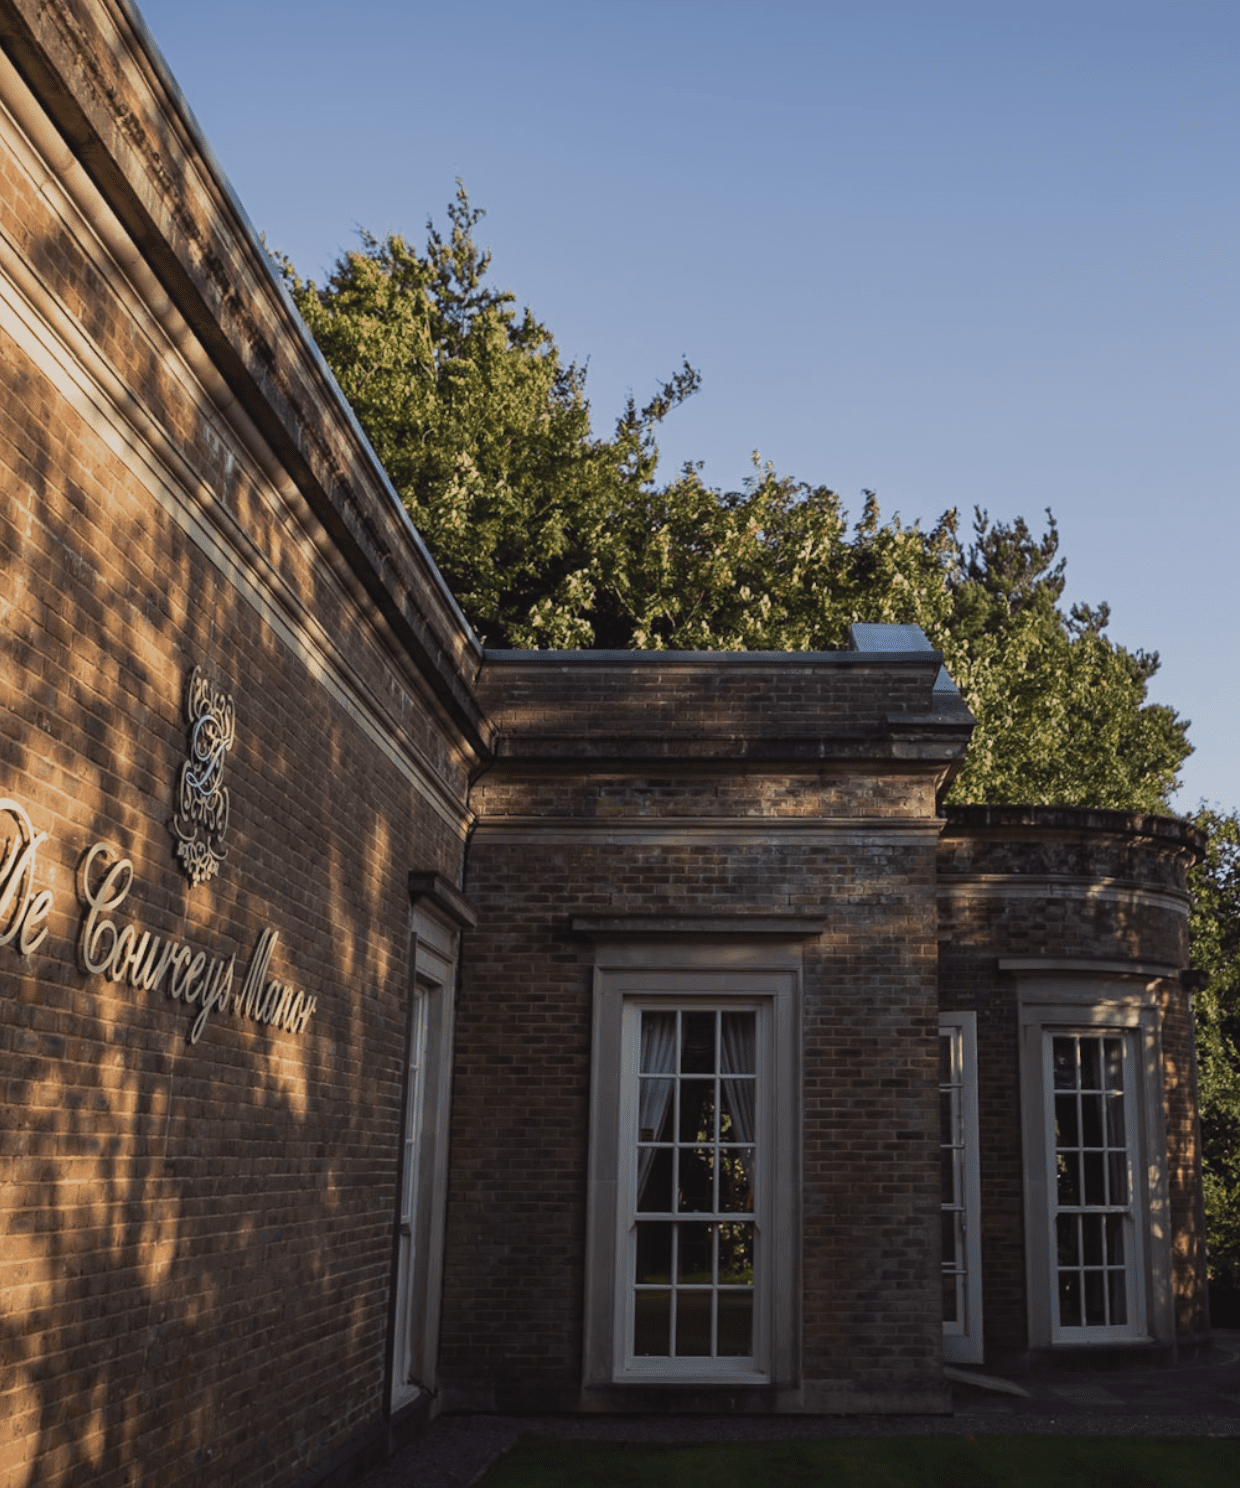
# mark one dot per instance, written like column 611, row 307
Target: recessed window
column 960, row 1202
column 1096, row 1204
column 692, row 1262
column 695, row 1193
column 1090, row 1125
column 424, row 1150
column 409, row 1257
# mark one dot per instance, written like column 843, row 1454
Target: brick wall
column 196, row 1238
column 564, row 831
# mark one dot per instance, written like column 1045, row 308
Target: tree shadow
column 196, row 1237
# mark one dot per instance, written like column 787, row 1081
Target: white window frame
column 962, row 1338
column 1097, row 1004
column 1129, row 1212
column 422, row 1195
column 767, row 979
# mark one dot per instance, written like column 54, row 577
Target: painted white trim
column 962, row 1342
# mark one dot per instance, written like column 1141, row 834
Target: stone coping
column 1019, row 820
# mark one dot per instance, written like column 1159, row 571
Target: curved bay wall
column 1051, row 892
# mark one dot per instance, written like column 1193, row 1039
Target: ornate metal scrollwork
column 201, row 819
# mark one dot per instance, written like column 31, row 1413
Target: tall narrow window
column 694, row 1172
column 439, row 913
column 1098, row 1247
column 961, row 1189
column 1090, row 1124
column 693, row 1221
column 408, row 1329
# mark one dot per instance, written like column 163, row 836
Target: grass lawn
column 877, row 1462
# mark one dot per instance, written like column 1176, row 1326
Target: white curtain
column 658, row 1058
column 739, row 1054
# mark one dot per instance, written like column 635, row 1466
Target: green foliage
column 1061, row 709
column 552, row 537
column 1215, row 930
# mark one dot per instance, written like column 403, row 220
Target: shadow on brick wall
column 189, row 1232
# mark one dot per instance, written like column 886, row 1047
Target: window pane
column 949, row 1175
column 736, row 1180
column 652, row 1323
column 1115, row 1121
column 1069, row 1299
column 739, row 1031
column 693, row 1310
column 654, row 1180
column 952, row 1227
column 654, row 1252
column 1115, row 1239
column 1091, row 1233
column 951, row 1297
column 697, row 1052
column 1069, row 1180
column 1065, row 1121
column 1117, row 1173
column 1118, row 1296
column 697, row 1110
column 738, row 1099
column 658, row 1052
column 697, row 1181
column 736, row 1255
column 947, row 1117
column 654, row 1113
column 1091, row 1063
column 1067, row 1237
column 1095, row 1191
column 1091, row 1121
column 1063, row 1058
column 735, row 1324
column 1114, row 1055
column 695, row 1263
column 1095, row 1299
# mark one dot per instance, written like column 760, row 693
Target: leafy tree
column 550, row 536
column 1215, row 930
column 1061, row 709
column 483, row 429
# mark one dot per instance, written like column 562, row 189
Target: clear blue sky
column 978, row 253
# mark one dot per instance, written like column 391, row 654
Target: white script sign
column 128, row 952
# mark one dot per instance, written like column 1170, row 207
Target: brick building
column 388, row 1026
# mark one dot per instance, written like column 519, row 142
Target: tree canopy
column 552, row 536
column 1214, row 926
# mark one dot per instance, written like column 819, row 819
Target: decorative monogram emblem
column 201, row 819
